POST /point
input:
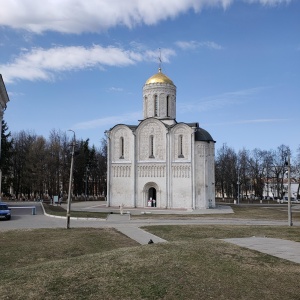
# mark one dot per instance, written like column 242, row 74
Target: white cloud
column 211, row 45
column 260, row 121
column 109, row 121
column 77, row 16
column 115, row 89
column 43, row 64
column 219, row 101
column 269, row 2
column 187, row 45
column 191, row 45
column 253, row 121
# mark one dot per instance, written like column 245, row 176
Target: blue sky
column 81, row 65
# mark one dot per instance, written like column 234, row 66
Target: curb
column 71, row 218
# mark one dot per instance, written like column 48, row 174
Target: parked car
column 286, row 199
column 4, row 211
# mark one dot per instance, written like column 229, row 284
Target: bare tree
column 226, row 171
column 37, row 166
column 244, row 173
column 280, row 158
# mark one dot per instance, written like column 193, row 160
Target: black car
column 4, row 211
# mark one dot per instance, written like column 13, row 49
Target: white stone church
column 160, row 163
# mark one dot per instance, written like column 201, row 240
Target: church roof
column 203, row 135
column 159, row 78
column 200, row 133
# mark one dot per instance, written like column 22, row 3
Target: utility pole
column 290, row 222
column 70, row 182
column 238, row 184
column 86, row 181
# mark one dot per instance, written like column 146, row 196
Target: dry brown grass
column 102, row 264
column 240, row 212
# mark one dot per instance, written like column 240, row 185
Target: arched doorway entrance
column 152, row 197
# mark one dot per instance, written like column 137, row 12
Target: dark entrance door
column 152, row 195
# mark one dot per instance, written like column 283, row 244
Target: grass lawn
column 240, row 212
column 272, row 212
column 104, row 264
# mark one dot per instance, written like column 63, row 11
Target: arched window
column 155, row 106
column 168, row 100
column 151, row 146
column 180, row 146
column 121, row 148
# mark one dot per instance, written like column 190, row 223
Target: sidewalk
column 100, row 206
column 122, row 224
column 285, row 249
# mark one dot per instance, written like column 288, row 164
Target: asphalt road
column 22, row 218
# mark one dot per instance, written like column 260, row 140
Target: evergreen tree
column 5, row 159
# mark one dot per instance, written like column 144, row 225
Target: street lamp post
column 290, row 222
column 238, row 184
column 70, row 182
column 86, row 181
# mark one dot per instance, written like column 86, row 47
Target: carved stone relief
column 181, row 171
column 121, row 171
column 151, row 171
column 200, row 150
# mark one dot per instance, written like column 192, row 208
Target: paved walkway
column 280, row 248
column 122, row 224
column 100, row 206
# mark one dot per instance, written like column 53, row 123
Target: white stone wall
column 143, row 186
column 155, row 156
column 151, row 171
column 185, row 131
column 181, row 192
column 181, row 167
column 155, row 128
column 118, row 132
column 122, row 192
column 121, row 169
column 190, row 183
column 162, row 91
column 204, row 175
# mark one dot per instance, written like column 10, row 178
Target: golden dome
column 159, row 78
